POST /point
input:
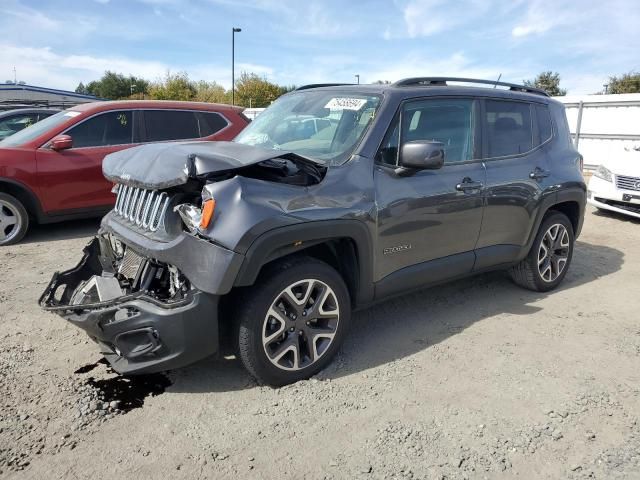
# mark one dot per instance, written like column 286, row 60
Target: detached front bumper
column 606, row 195
column 136, row 333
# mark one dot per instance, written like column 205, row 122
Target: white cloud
column 44, row 67
column 428, row 17
column 416, row 64
column 541, row 16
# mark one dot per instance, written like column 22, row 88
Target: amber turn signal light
column 208, row 207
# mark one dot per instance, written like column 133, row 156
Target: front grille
column 628, row 183
column 144, row 208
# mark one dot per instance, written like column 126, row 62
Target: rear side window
column 543, row 118
column 110, row 128
column 209, row 123
column 508, row 127
column 162, row 125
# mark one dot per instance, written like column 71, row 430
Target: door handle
column 539, row 173
column 468, row 184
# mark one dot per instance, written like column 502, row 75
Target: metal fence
column 603, row 126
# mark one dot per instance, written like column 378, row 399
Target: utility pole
column 15, row 76
column 234, row 30
column 358, row 77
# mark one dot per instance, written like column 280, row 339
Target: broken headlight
column 197, row 218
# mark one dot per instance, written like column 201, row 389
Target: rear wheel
column 14, row 220
column 292, row 321
column 548, row 260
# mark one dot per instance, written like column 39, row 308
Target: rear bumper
column 137, row 333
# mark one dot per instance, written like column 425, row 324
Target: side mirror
column 61, row 142
column 422, row 155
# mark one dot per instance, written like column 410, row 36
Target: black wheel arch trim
column 572, row 194
column 283, row 241
column 34, row 207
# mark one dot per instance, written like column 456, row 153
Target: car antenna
column 496, row 84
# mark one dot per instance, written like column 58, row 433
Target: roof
column 162, row 104
column 33, row 88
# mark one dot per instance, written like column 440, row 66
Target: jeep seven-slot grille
column 628, row 183
column 145, row 208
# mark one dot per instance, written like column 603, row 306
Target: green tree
column 549, row 82
column 115, row 86
column 174, row 86
column 251, row 90
column 626, row 83
column 211, row 92
column 81, row 89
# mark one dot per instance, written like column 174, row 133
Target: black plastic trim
column 286, row 240
column 425, row 274
column 492, row 257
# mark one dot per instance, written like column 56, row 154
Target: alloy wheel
column 301, row 324
column 553, row 252
column 10, row 221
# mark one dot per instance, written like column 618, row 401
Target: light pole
column 234, row 30
column 358, row 77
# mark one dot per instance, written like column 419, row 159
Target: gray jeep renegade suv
column 266, row 244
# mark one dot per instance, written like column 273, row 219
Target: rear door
column 432, row 214
column 72, row 179
column 515, row 143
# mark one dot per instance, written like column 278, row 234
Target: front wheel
column 292, row 321
column 14, row 220
column 550, row 256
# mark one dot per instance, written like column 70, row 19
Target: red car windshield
column 37, row 129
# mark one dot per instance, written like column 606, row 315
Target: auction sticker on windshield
column 344, row 103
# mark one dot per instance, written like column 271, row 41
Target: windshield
column 323, row 125
column 37, row 129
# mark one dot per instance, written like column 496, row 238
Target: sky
column 59, row 43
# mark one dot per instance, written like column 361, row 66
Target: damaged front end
column 144, row 314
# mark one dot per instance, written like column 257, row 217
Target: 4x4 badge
column 396, row 249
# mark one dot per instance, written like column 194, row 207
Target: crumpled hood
column 163, row 165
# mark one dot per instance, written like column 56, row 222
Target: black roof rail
column 318, row 85
column 442, row 82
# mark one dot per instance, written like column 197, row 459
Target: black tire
column 527, row 274
column 12, row 210
column 252, row 319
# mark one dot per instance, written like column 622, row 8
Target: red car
column 52, row 171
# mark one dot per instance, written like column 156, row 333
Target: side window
column 209, row 123
column 18, row 122
column 449, row 121
column 164, row 125
column 110, row 128
column 543, row 118
column 508, row 126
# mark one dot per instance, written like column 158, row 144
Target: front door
column 432, row 217
column 72, row 179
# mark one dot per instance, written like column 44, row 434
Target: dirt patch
column 475, row 379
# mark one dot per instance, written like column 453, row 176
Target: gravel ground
column 475, row 379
